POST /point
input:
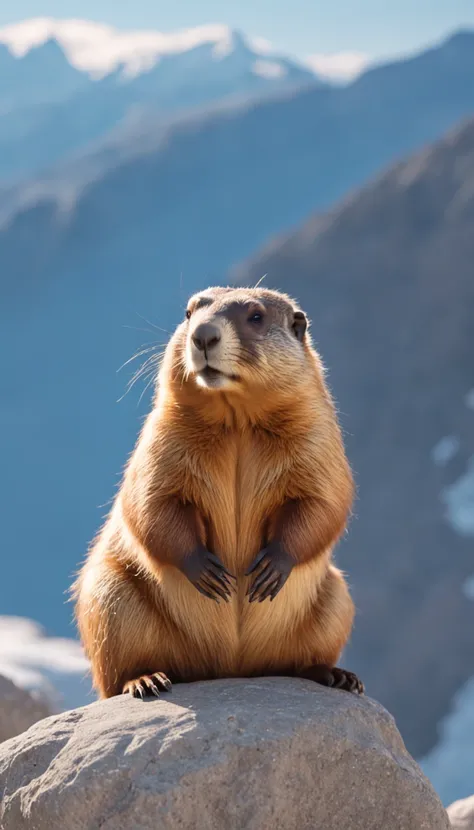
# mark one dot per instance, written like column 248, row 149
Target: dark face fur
column 237, row 337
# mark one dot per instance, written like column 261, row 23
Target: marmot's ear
column 300, row 324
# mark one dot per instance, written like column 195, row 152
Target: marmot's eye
column 188, row 314
column 257, row 317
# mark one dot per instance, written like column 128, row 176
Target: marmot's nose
column 206, row 336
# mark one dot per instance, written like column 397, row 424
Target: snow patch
column 229, row 43
column 445, row 450
column 450, row 764
column 468, row 588
column 99, row 48
column 339, row 66
column 260, row 45
column 459, row 501
column 269, row 69
column 469, row 399
column 52, row 668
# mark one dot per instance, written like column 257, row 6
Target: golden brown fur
column 230, row 466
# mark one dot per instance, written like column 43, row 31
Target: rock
column 461, row 814
column 18, row 709
column 264, row 753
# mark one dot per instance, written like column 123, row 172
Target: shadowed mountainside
column 387, row 279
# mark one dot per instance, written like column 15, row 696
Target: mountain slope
column 42, row 76
column 388, row 281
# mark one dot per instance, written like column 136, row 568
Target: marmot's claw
column 208, row 574
column 334, row 678
column 206, row 585
column 353, row 684
column 346, row 680
column 275, row 567
column 218, row 564
column 256, row 562
column 147, row 684
column 206, row 593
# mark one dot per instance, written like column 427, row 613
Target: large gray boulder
column 18, row 709
column 246, row 754
column 461, row 814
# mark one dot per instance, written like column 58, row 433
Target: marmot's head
column 241, row 338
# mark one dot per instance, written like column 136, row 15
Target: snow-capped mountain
column 66, row 83
column 99, row 48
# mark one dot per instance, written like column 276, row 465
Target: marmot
column 215, row 560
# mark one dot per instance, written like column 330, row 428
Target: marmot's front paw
column 275, row 566
column 147, row 684
column 207, row 573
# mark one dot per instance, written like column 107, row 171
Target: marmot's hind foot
column 334, row 678
column 147, row 684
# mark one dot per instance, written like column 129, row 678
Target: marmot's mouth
column 210, row 374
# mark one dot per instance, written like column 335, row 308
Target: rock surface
column 263, row 753
column 18, row 709
column 461, row 814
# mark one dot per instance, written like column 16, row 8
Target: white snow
column 269, row 69
column 54, row 668
column 445, row 450
column 459, row 502
column 450, row 765
column 468, row 587
column 339, row 66
column 469, row 399
column 260, row 45
column 99, row 48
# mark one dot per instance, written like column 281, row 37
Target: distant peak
column 462, row 39
column 100, row 49
column 232, row 41
column 462, row 36
column 50, row 46
column 239, row 39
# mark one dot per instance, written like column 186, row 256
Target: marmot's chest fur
column 236, row 478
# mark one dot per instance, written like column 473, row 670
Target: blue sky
column 299, row 27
